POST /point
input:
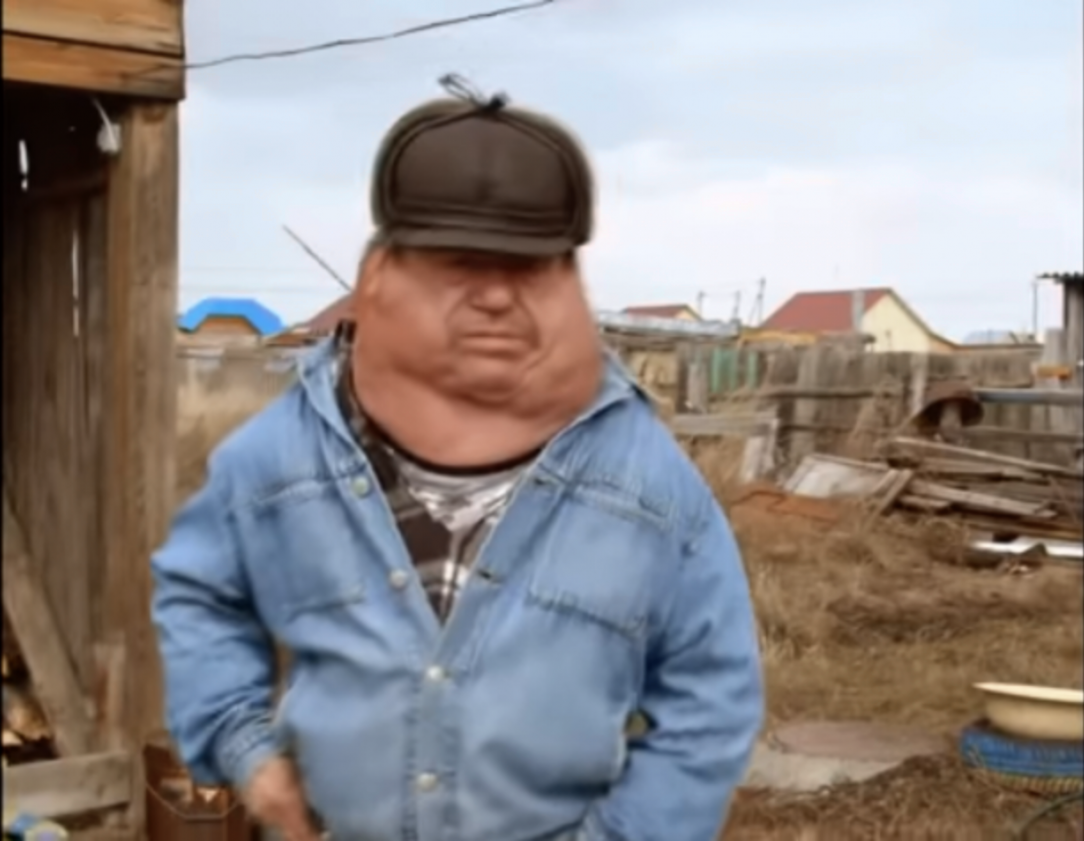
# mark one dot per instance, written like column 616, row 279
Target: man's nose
column 494, row 293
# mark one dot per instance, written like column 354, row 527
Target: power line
column 371, row 39
column 251, row 291
column 280, row 270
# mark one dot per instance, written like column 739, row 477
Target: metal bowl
column 1035, row 712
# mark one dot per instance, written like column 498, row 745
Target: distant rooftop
column 1063, row 277
column 998, row 337
column 661, row 310
column 260, row 317
column 822, row 312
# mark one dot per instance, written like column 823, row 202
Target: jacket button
column 398, row 579
column 435, row 674
column 362, row 486
column 427, row 782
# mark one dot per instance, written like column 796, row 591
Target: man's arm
column 218, row 659
column 703, row 696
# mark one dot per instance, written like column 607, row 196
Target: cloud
column 928, row 233
column 935, row 147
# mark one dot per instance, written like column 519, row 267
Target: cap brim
column 463, row 239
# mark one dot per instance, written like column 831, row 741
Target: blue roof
column 264, row 320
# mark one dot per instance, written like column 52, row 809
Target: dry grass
column 878, row 621
column 864, row 622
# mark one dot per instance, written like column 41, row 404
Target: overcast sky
column 935, row 146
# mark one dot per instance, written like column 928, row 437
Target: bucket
column 179, row 810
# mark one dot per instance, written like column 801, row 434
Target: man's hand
column 275, row 799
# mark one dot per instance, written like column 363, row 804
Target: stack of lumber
column 989, row 493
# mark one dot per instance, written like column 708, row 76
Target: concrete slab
column 864, row 741
column 808, row 756
column 793, row 772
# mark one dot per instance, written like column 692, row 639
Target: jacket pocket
column 602, row 560
column 303, row 552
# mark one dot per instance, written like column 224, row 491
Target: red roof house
column 885, row 318
column 822, row 312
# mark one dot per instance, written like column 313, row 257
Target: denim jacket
column 612, row 584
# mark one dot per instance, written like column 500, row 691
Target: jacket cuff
column 246, row 751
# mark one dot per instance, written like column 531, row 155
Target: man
column 482, row 550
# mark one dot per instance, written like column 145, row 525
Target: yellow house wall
column 894, row 329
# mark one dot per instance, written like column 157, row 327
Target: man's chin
column 491, row 381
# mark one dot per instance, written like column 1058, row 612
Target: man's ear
column 370, row 269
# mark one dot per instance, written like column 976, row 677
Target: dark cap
column 457, row 173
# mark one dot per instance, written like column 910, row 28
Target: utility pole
column 700, row 296
column 756, row 314
column 1035, row 309
column 735, row 314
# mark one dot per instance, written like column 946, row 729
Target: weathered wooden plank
column 759, row 423
column 1038, row 436
column 139, row 409
column 107, row 833
column 980, row 502
column 917, row 447
column 151, row 26
column 56, row 684
column 98, row 69
column 63, row 787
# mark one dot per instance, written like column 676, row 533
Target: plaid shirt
column 442, row 547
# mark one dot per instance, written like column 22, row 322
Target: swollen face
column 481, row 324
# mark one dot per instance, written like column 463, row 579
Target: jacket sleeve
column 217, row 657
column 703, row 696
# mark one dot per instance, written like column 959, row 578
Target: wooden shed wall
column 89, row 395
column 53, row 300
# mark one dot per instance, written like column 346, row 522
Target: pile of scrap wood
column 997, row 496
column 26, row 735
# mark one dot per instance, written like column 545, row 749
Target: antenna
column 700, row 296
column 735, row 314
column 319, row 260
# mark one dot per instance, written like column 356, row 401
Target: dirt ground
column 874, row 621
column 880, row 621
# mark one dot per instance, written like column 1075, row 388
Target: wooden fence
column 234, row 380
column 830, row 399
column 843, row 401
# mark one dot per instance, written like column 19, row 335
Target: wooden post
column 140, row 405
column 1073, row 325
column 681, row 378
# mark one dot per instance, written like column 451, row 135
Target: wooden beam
column 63, row 787
column 56, row 685
column 140, row 401
column 151, row 26
column 919, row 447
column 96, row 69
column 692, row 425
